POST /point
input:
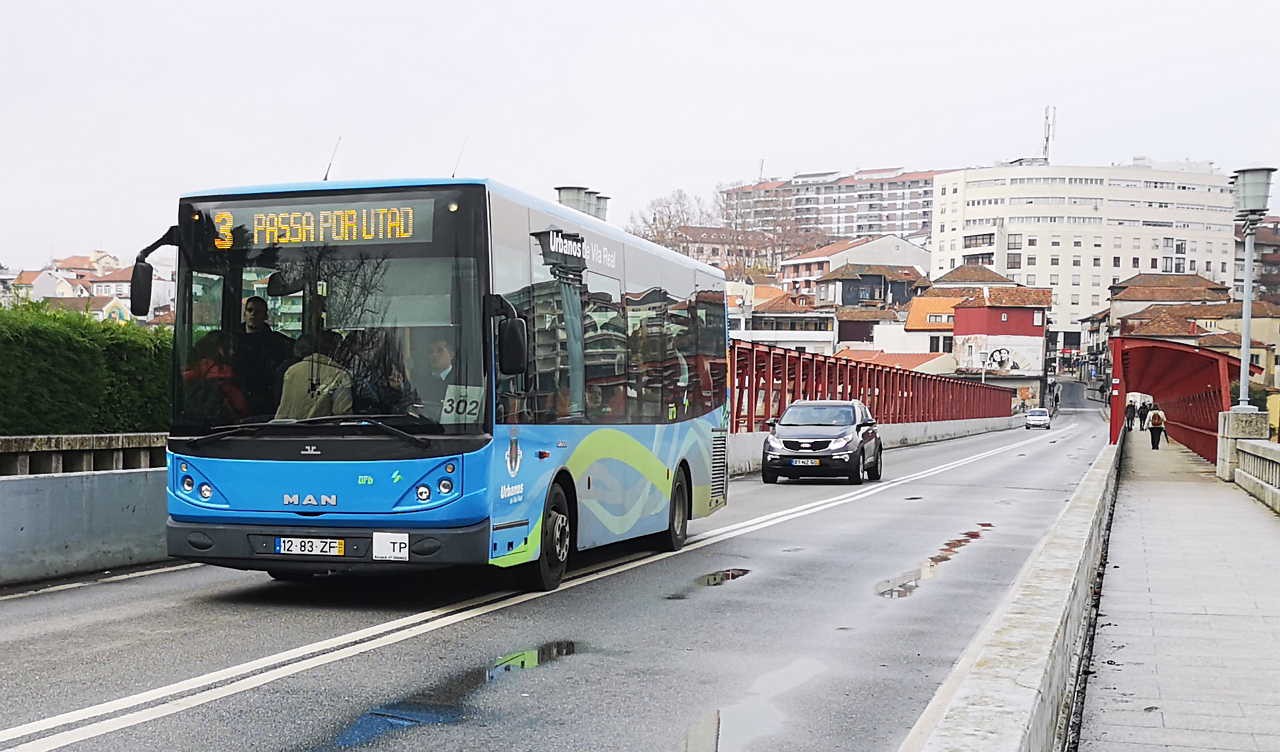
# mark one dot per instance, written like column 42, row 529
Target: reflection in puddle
column 442, row 704
column 908, row 582
column 715, row 579
column 719, row 578
column 732, row 728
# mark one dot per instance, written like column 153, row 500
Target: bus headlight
column 446, row 485
column 206, row 491
column 424, row 493
column 188, row 483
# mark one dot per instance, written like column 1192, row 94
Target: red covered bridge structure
column 766, row 379
column 1190, row 384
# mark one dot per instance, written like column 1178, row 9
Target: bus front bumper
column 254, row 547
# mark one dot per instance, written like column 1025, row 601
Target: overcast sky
column 111, row 110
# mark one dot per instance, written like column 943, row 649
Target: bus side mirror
column 513, row 347
column 140, row 289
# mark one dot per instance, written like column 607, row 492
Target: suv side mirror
column 771, row 422
column 513, row 347
column 140, row 289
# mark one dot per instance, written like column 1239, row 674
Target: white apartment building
column 836, row 204
column 1078, row 230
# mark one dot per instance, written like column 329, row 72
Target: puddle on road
column 715, row 579
column 734, row 727
column 442, row 704
column 908, row 582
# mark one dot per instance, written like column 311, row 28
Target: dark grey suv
column 823, row 438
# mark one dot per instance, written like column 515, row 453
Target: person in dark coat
column 1142, row 415
column 1130, row 411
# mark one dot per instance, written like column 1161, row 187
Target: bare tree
column 662, row 219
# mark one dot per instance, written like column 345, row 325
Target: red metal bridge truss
column 766, row 379
column 1192, row 385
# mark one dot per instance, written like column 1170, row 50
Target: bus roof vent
column 584, row 200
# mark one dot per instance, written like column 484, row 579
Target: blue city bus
column 408, row 374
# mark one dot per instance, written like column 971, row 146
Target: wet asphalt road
column 832, row 631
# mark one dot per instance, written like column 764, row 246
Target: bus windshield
column 307, row 308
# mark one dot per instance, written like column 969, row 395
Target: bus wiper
column 243, row 428
column 366, row 420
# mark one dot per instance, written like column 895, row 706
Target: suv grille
column 816, row 445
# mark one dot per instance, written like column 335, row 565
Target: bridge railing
column 77, row 453
column 766, row 379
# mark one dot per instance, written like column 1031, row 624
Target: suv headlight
column 840, row 443
column 773, row 442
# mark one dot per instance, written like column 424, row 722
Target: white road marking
column 399, row 630
column 86, row 583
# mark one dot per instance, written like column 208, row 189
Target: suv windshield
column 817, row 415
column 1038, row 411
column 298, row 308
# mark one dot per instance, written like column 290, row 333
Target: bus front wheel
column 553, row 556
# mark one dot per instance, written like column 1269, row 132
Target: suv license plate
column 804, row 462
column 311, row 546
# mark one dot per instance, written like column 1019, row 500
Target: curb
column 1013, row 688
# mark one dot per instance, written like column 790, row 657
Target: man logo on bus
column 513, row 455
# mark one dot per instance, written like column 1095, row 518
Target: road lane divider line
column 99, row 581
column 388, row 633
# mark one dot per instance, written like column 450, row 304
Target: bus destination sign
column 330, row 224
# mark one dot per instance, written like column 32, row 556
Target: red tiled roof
column 119, row 275
column 950, row 292
column 888, row 271
column 1095, row 316
column 93, row 303
column 973, row 274
column 1225, row 339
column 1185, row 281
column 1164, row 325
column 920, row 308
column 1225, row 310
column 782, row 304
column 831, row 249
column 27, row 277
column 764, row 185
column 1171, row 294
column 1011, row 297
column 767, row 292
column 907, row 361
column 73, row 262
column 854, row 313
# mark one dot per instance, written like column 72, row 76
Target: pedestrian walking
column 1155, row 424
column 1142, row 415
column 1130, row 411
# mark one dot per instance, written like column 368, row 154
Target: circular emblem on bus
column 513, row 454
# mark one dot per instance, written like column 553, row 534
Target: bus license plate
column 804, row 462
column 311, row 546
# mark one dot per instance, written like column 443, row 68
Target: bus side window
column 604, row 335
column 511, row 256
column 646, row 306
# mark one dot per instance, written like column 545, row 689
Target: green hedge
column 64, row 372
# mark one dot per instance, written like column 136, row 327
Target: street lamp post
column 1251, row 188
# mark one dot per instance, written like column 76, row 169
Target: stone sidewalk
column 1187, row 649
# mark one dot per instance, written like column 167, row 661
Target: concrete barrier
column 1258, row 470
column 744, row 448
column 57, row 525
column 1013, row 689
column 68, row 523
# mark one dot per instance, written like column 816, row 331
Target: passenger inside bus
column 317, row 385
column 261, row 354
column 211, row 390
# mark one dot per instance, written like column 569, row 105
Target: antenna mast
column 331, row 158
column 1050, row 127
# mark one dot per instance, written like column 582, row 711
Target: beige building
column 1079, row 230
